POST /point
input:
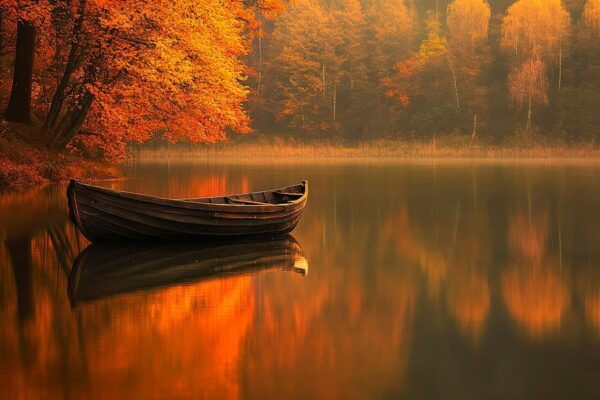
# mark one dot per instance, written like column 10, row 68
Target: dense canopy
column 97, row 75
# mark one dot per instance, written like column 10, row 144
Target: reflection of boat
column 107, row 269
column 103, row 214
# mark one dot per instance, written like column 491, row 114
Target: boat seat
column 248, row 202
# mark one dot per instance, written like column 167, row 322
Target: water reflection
column 467, row 276
column 106, row 269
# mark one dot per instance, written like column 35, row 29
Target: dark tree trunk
column 59, row 94
column 71, row 122
column 19, row 105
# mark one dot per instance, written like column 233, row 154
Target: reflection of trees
column 536, row 297
column 338, row 337
column 38, row 243
column 589, row 288
column 184, row 340
column 355, row 308
column 19, row 254
column 452, row 264
column 533, row 289
column 402, row 236
column 351, row 323
column 592, row 309
column 188, row 184
column 39, row 338
column 527, row 236
column 468, row 292
column 468, row 296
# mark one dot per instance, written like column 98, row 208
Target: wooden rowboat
column 110, row 215
column 107, row 269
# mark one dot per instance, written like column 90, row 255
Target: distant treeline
column 370, row 68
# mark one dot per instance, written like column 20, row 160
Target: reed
column 373, row 150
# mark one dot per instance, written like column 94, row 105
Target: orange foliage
column 400, row 85
column 127, row 70
column 184, row 81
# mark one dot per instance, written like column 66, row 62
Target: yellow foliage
column 468, row 22
column 535, row 28
column 591, row 15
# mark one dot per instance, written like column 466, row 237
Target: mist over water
column 409, row 280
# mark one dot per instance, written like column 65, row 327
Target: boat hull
column 107, row 215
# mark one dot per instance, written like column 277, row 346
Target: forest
column 95, row 76
column 417, row 69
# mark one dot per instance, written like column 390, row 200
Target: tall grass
column 385, row 150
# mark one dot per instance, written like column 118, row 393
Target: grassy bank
column 455, row 147
column 23, row 161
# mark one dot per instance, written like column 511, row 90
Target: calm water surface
column 416, row 281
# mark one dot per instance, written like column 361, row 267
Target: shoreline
column 24, row 164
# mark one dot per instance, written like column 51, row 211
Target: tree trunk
column 334, row 102
column 529, row 114
column 454, row 82
column 323, row 80
column 474, row 129
column 19, row 104
column 560, row 66
column 259, row 80
column 59, row 94
column 71, row 122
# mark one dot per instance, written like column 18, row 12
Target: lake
column 415, row 280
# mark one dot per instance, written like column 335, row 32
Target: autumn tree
column 468, row 26
column 392, row 28
column 579, row 102
column 591, row 16
column 113, row 72
column 183, row 78
column 266, row 12
column 528, row 86
column 537, row 28
column 297, row 63
column 426, row 84
column 391, row 31
column 348, row 76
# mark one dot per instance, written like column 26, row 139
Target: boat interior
column 269, row 197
